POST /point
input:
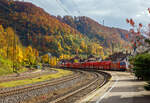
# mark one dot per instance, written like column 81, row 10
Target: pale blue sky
column 114, row 12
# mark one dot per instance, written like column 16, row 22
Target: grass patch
column 5, row 67
column 23, row 69
column 59, row 74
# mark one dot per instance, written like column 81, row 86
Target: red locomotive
column 103, row 65
column 117, row 61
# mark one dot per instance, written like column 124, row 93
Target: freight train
column 103, row 65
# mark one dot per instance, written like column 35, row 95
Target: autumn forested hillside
column 107, row 36
column 44, row 32
column 29, row 36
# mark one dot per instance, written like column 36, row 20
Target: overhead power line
column 75, row 5
column 62, row 6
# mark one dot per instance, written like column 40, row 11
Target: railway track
column 74, row 95
column 21, row 77
column 21, row 94
column 4, row 93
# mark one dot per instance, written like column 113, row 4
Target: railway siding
column 25, row 75
column 40, row 78
column 19, row 94
column 67, row 89
column 100, row 79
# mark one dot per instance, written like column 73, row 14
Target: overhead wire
column 62, row 6
column 75, row 5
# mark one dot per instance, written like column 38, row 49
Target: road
column 122, row 88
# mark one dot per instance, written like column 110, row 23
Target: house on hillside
column 93, row 58
column 75, row 59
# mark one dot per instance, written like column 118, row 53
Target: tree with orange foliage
column 140, row 63
column 138, row 33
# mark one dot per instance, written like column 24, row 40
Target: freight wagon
column 103, row 65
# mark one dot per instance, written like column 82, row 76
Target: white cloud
column 100, row 12
column 114, row 12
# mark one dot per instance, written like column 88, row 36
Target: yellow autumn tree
column 53, row 61
column 64, row 56
column 31, row 56
column 45, row 58
column 19, row 54
column 8, row 42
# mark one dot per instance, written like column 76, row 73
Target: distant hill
column 43, row 31
column 107, row 36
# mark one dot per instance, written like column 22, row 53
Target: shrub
column 141, row 66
